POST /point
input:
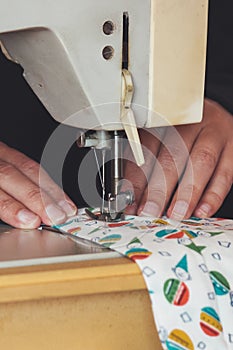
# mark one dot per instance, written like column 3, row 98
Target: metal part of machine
column 116, row 200
column 20, row 247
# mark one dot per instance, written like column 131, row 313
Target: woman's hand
column 23, row 203
column 188, row 171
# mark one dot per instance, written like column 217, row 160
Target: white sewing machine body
column 60, row 46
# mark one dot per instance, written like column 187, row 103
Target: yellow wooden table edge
column 69, row 279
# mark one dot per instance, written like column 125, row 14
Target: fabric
column 187, row 268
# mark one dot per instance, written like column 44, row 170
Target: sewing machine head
column 111, row 65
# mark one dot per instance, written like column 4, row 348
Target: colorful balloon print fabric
column 188, row 270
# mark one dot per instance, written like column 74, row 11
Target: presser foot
column 105, row 216
column 116, row 207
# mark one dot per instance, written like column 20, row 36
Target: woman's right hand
column 24, row 202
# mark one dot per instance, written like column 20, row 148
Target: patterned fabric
column 187, row 267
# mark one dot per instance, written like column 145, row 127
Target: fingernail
column 179, row 210
column 56, row 215
column 203, row 211
column 69, row 209
column 150, row 209
column 27, row 217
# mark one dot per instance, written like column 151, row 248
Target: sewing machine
column 106, row 66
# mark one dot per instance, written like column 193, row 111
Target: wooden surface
column 99, row 304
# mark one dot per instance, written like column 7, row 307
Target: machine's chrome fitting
column 116, row 207
column 98, row 139
column 117, row 201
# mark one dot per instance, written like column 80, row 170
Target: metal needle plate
column 19, row 247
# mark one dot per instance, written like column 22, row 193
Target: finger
column 18, row 186
column 201, row 165
column 170, row 164
column 138, row 176
column 15, row 214
column 154, row 196
column 218, row 187
column 38, row 175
